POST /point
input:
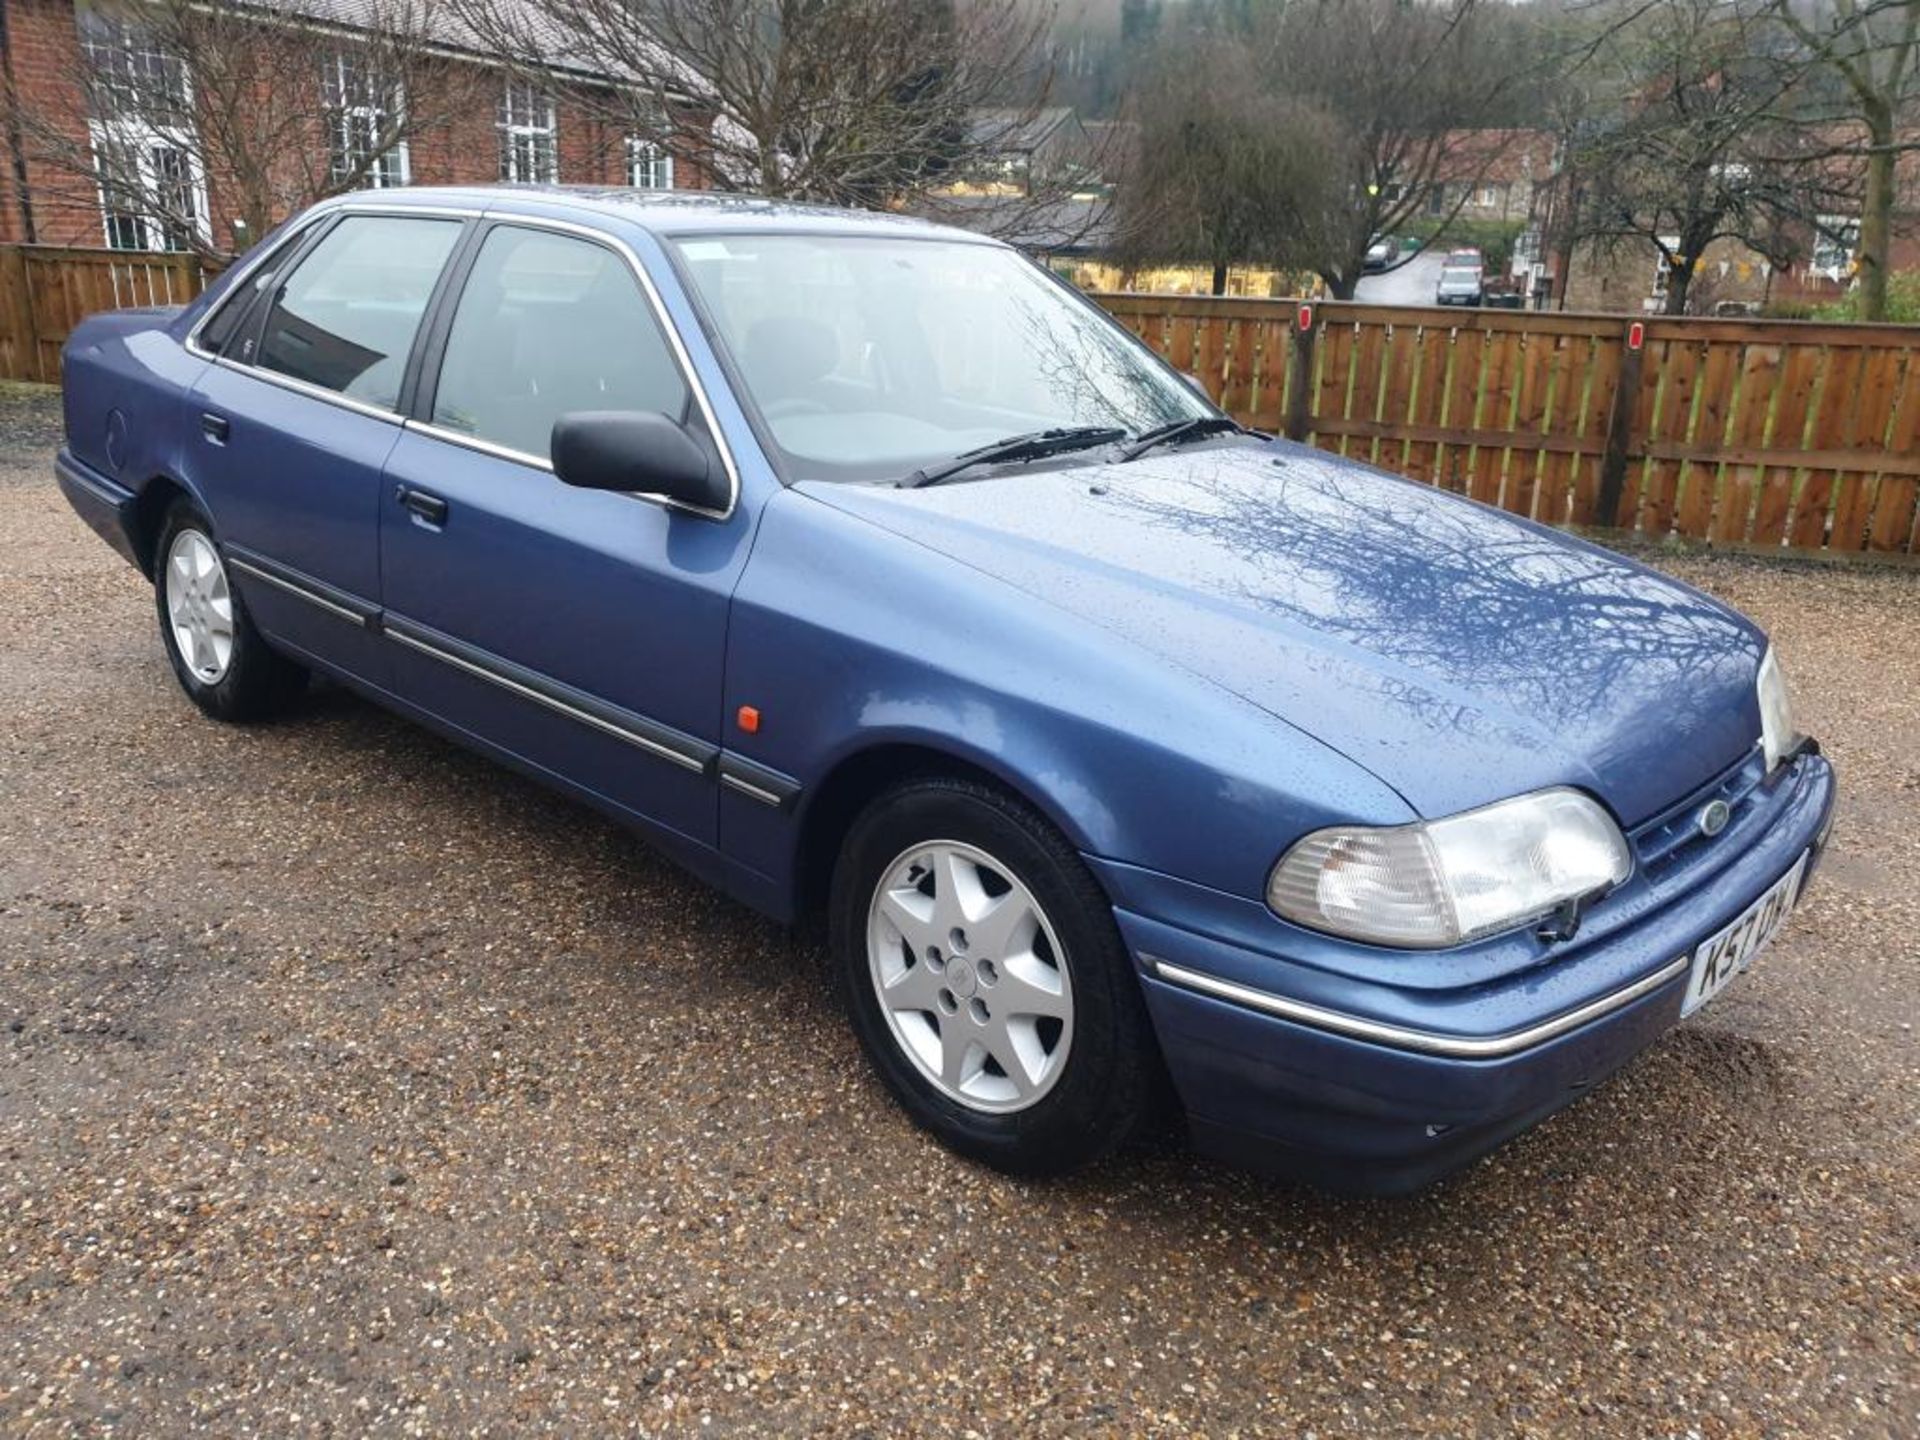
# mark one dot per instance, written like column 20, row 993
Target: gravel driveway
column 351, row 1084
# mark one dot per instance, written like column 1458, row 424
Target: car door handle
column 215, row 427
column 430, row 508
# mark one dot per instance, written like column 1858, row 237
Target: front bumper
column 1361, row 1095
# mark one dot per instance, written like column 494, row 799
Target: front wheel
column 986, row 979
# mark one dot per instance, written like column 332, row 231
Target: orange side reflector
column 748, row 719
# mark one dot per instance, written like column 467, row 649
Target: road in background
column 1411, row 284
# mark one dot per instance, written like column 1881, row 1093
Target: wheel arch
column 856, row 778
column 149, row 511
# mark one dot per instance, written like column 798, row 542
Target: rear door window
column 346, row 317
column 549, row 324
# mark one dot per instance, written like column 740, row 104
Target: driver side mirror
column 636, row 452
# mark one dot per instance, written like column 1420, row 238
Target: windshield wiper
column 1034, row 445
column 1180, row 430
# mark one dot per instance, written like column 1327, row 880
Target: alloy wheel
column 199, row 606
column 970, row 976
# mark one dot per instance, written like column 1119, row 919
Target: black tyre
column 986, row 979
column 221, row 661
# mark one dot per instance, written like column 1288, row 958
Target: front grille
column 1672, row 839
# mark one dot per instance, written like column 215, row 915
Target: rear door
column 580, row 632
column 290, row 428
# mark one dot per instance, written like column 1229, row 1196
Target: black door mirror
column 637, row 452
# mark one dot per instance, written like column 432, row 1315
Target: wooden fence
column 45, row 290
column 1740, row 432
column 1735, row 431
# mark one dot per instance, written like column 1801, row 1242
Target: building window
column 1437, row 200
column 153, row 194
column 1835, row 239
column 363, row 111
column 649, row 166
column 527, row 151
column 1662, row 271
column 129, row 75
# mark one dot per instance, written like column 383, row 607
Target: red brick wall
column 463, row 149
column 45, row 52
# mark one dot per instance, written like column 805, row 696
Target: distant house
column 1043, row 181
column 1019, row 152
column 1495, row 175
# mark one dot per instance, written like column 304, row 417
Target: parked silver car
column 1459, row 285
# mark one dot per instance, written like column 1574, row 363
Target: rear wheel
column 986, row 979
column 219, row 658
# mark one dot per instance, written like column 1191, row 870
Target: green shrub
column 1903, row 302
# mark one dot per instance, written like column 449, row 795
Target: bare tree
column 266, row 106
column 1872, row 48
column 1686, row 147
column 1396, row 104
column 1225, row 172
column 857, row 102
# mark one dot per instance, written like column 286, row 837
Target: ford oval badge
column 1713, row 818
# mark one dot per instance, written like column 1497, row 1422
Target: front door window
column 548, row 324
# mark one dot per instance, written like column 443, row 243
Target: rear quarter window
column 232, row 310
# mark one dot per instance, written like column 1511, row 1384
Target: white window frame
column 529, row 129
column 124, row 138
column 1833, row 259
column 358, row 110
column 122, row 53
column 1662, row 271
column 649, row 164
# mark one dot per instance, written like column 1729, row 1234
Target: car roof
column 669, row 212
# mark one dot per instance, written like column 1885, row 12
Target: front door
column 580, row 632
column 289, row 434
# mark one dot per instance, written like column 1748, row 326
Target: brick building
column 1493, row 175
column 503, row 129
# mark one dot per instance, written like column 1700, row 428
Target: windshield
column 1459, row 277
column 869, row 357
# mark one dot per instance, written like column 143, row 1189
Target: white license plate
column 1726, row 954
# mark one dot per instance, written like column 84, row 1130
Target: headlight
column 1442, row 882
column 1778, row 736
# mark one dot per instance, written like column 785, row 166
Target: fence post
column 19, row 347
column 1300, row 343
column 1626, row 398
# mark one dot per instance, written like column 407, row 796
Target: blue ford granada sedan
column 883, row 581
